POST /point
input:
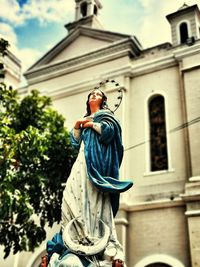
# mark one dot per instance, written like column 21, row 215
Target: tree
column 35, row 161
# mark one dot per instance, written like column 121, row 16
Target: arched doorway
column 158, row 264
column 159, row 260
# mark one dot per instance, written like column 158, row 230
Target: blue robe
column 103, row 155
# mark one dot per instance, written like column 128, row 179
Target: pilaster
column 192, row 200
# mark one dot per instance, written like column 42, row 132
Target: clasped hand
column 83, row 123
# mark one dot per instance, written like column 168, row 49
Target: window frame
column 148, row 171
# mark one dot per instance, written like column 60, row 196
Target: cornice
column 186, row 51
column 102, row 34
column 191, row 197
column 153, row 65
column 170, row 60
column 110, row 52
column 192, row 213
column 81, row 87
column 13, row 58
column 152, row 205
column 182, row 11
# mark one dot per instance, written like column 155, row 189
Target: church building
column 159, row 218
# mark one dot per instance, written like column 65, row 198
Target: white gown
column 82, row 199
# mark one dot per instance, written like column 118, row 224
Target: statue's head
column 98, row 96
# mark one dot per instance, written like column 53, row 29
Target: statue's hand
column 81, row 122
column 117, row 263
column 88, row 124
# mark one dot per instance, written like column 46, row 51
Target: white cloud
column 42, row 10
column 46, row 11
column 26, row 55
column 10, row 11
column 155, row 29
column 7, row 33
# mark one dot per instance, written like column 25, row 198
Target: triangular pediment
column 81, row 45
column 81, row 41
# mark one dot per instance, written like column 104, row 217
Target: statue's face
column 96, row 97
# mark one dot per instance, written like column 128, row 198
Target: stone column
column 121, row 223
column 192, row 200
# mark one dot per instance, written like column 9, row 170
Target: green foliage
column 35, row 160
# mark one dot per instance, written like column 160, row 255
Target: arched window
column 183, row 32
column 84, row 9
column 95, row 10
column 158, row 138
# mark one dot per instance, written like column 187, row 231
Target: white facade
column 159, row 217
column 12, row 67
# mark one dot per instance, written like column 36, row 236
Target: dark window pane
column 158, row 140
column 84, row 9
column 95, row 10
column 183, row 32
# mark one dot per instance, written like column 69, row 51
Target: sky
column 33, row 27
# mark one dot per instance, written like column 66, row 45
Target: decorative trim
column 182, row 11
column 156, row 204
column 166, row 61
column 190, row 197
column 170, row 170
column 83, row 86
column 194, row 179
column 13, row 58
column 186, row 51
column 153, row 65
column 191, row 68
column 77, row 88
column 192, row 213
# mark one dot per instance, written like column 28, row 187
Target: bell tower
column 86, row 8
column 86, row 13
column 185, row 25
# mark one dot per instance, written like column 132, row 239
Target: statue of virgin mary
column 91, row 196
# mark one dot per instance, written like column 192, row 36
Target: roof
column 98, row 34
column 182, row 10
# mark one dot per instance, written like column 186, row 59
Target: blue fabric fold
column 56, row 245
column 103, row 155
